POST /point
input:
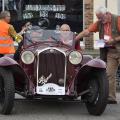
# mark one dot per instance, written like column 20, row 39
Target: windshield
column 33, row 36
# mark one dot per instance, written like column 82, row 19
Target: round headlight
column 75, row 57
column 27, row 57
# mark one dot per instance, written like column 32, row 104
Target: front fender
column 86, row 72
column 96, row 63
column 89, row 68
column 19, row 74
column 7, row 61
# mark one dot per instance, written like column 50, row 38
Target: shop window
column 57, row 11
column 0, row 5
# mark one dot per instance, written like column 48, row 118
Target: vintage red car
column 50, row 67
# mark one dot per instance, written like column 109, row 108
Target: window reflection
column 0, row 5
column 58, row 11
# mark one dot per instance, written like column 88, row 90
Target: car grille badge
column 42, row 80
column 52, row 50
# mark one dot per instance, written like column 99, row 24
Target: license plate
column 50, row 89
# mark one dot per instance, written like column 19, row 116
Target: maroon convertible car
column 50, row 67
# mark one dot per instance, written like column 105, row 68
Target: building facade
column 88, row 19
column 79, row 14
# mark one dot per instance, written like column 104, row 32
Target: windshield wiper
column 58, row 41
column 54, row 39
column 30, row 41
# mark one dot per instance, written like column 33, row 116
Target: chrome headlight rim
column 78, row 60
column 24, row 59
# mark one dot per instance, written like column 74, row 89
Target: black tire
column 97, row 100
column 7, row 91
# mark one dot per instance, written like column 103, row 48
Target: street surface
column 39, row 110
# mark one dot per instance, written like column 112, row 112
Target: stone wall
column 88, row 5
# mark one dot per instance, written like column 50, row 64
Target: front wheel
column 7, row 91
column 98, row 95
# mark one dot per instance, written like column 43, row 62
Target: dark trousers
column 103, row 54
column 17, row 53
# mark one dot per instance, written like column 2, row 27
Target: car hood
column 40, row 48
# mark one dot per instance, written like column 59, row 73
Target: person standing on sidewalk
column 108, row 26
column 7, row 33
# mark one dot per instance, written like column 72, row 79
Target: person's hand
column 84, row 33
column 77, row 38
column 18, row 38
column 110, row 41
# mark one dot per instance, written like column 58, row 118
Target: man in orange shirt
column 108, row 26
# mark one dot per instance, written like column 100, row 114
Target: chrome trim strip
column 39, row 51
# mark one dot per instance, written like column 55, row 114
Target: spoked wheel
column 7, row 91
column 98, row 95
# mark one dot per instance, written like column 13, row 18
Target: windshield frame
column 51, row 39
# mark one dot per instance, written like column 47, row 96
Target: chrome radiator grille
column 51, row 66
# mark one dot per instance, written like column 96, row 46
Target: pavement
column 39, row 110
